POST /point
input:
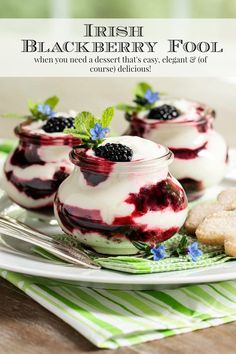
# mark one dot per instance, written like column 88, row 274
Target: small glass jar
column 107, row 205
column 200, row 152
column 37, row 166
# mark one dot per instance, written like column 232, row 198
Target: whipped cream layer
column 189, row 111
column 143, row 149
column 35, row 127
column 200, row 153
column 37, row 166
column 108, row 213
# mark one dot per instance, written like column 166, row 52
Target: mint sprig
column 43, row 110
column 39, row 111
column 91, row 130
column 107, row 116
column 128, row 108
column 52, row 101
column 141, row 88
column 145, row 99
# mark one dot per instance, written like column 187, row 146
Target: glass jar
column 36, row 167
column 107, row 205
column 200, row 152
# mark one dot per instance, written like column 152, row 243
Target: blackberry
column 58, row 124
column 164, row 112
column 114, row 152
column 141, row 101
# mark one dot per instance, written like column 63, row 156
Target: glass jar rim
column 101, row 165
column 155, row 122
column 206, row 116
column 43, row 139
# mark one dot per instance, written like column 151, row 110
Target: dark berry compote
column 40, row 162
column 121, row 192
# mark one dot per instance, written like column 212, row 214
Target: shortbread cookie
column 198, row 213
column 230, row 245
column 228, row 198
column 216, row 228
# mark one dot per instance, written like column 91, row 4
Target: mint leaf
column 141, row 89
column 91, row 130
column 183, row 243
column 43, row 110
column 13, row 115
column 52, row 101
column 76, row 134
column 126, row 108
column 84, row 121
column 107, row 116
column 181, row 248
column 32, row 107
column 31, row 104
column 141, row 246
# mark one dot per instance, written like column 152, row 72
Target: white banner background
column 15, row 63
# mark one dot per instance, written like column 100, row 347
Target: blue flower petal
column 194, row 252
column 46, row 110
column 158, row 253
column 98, row 132
column 93, row 134
column 151, row 97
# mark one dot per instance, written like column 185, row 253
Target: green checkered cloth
column 145, row 266
column 116, row 318
column 138, row 265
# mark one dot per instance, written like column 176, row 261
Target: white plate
column 16, row 256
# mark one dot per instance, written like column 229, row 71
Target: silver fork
column 18, row 230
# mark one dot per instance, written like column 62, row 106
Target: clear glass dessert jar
column 37, row 166
column 107, row 205
column 200, row 152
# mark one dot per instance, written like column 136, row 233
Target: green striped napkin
column 113, row 318
column 6, row 146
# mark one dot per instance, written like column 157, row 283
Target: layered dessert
column 40, row 162
column 186, row 127
column 121, row 191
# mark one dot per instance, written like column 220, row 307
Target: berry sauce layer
column 138, row 200
column 186, row 127
column 37, row 166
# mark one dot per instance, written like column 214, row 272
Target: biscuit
column 230, row 245
column 228, row 198
column 217, row 228
column 198, row 213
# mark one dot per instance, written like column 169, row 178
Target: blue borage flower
column 162, row 251
column 91, row 130
column 194, row 252
column 145, row 98
column 43, row 110
column 151, row 96
column 98, row 132
column 158, row 253
column 46, row 110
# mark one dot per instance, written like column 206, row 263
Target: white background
column 15, row 63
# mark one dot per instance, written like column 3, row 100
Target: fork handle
column 58, row 249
